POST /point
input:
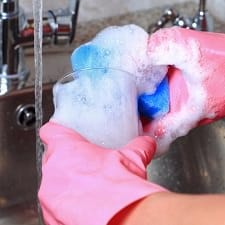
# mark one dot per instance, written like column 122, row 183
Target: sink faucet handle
column 202, row 20
column 169, row 15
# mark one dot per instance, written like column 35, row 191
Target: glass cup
column 100, row 104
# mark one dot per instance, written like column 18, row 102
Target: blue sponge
column 92, row 56
column 89, row 56
column 157, row 104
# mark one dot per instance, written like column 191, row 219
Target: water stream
column 38, row 35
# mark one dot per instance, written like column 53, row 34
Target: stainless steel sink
column 194, row 164
column 18, row 186
column 21, row 214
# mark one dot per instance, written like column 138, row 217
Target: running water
column 38, row 34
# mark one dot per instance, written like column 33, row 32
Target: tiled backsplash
column 97, row 9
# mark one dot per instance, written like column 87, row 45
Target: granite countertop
column 56, row 60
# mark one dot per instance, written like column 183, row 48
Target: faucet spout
column 9, row 30
column 11, row 70
column 16, row 32
column 202, row 21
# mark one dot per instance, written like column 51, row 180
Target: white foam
column 187, row 59
column 103, row 110
column 127, row 46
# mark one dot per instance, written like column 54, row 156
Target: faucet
column 17, row 33
column 202, row 20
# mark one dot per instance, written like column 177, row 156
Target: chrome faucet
column 17, row 32
column 202, row 20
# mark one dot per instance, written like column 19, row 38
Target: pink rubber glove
column 84, row 184
column 196, row 81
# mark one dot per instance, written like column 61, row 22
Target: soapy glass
column 100, row 104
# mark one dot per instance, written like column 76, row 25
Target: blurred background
column 98, row 9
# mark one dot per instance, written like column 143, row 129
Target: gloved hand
column 83, row 184
column 196, row 81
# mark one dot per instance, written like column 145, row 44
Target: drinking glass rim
column 94, row 68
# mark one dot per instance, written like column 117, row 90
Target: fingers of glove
column 140, row 150
column 202, row 66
